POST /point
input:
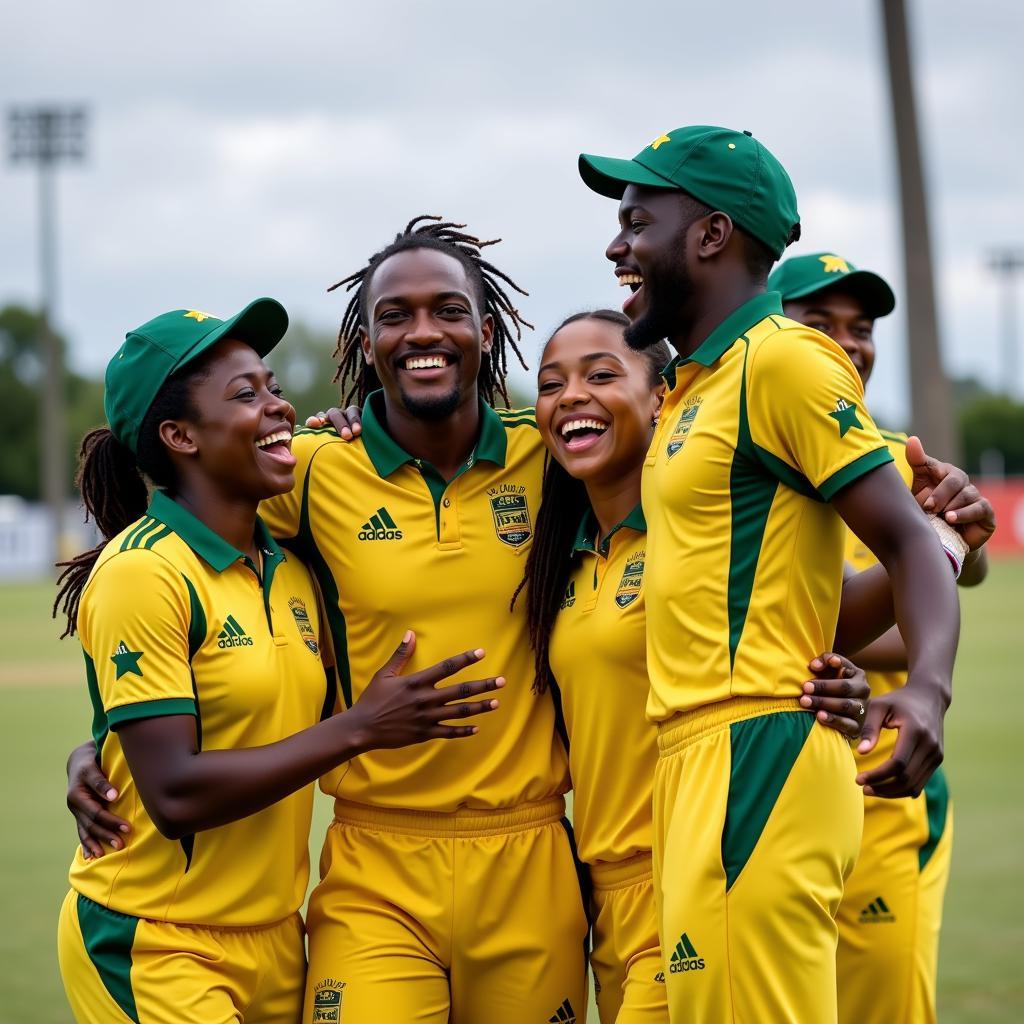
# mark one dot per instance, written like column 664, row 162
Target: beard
column 668, row 287
column 431, row 409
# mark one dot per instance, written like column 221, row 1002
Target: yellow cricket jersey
column 175, row 621
column 598, row 660
column 859, row 555
column 396, row 547
column 761, row 427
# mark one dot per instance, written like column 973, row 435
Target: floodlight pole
column 46, row 136
column 1007, row 264
column 931, row 397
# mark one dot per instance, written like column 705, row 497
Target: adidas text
column 235, row 641
column 380, row 534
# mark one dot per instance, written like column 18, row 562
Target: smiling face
column 241, row 436
column 650, row 256
column 596, row 402
column 425, row 336
column 842, row 316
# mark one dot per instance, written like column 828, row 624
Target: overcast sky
column 246, row 148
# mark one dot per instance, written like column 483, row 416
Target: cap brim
column 609, row 176
column 877, row 296
column 261, row 325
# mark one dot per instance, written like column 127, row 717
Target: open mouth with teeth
column 277, row 446
column 634, row 282
column 435, row 361
column 582, row 433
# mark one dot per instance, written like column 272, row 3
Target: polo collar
column 724, row 336
column 387, row 455
column 209, row 546
column 588, row 530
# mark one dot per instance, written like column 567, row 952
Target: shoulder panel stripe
column 125, row 544
column 156, row 537
column 898, row 438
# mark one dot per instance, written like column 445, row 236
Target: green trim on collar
column 728, row 332
column 588, row 529
column 387, row 455
column 209, row 546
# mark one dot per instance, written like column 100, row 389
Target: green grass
column 980, row 976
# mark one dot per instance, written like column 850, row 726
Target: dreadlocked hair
column 564, row 502
column 112, row 481
column 358, row 378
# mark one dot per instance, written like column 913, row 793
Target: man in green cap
column 891, row 912
column 762, row 429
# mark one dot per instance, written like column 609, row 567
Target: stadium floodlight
column 1006, row 264
column 46, row 136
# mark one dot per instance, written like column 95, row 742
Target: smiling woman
column 199, row 632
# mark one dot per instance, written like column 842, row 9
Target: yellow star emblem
column 199, row 316
column 835, row 264
column 659, row 140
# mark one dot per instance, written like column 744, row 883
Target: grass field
column 45, row 711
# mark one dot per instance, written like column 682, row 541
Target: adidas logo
column 570, row 596
column 684, row 957
column 877, row 912
column 564, row 1014
column 380, row 526
column 232, row 635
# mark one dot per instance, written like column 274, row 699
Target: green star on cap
column 126, row 660
column 845, row 414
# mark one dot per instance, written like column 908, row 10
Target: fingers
column 98, row 783
column 451, row 732
column 316, row 421
column 90, row 847
column 403, row 652
column 467, row 709
column 448, row 695
column 446, row 668
column 848, row 727
column 915, row 758
column 947, row 489
column 96, row 824
column 354, row 416
column 346, row 422
column 874, row 721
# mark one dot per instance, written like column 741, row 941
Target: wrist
column 937, row 686
column 355, row 729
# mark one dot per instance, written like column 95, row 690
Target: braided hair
column 489, row 283
column 564, row 502
column 112, row 480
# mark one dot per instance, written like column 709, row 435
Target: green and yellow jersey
column 598, row 661
column 175, row 621
column 859, row 556
column 761, row 427
column 396, row 547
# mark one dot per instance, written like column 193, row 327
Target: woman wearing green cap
column 212, row 697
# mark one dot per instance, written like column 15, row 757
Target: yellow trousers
column 119, row 969
column 757, row 822
column 467, row 917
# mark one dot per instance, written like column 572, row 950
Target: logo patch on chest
column 683, row 426
column 511, row 514
column 632, row 580
column 306, row 631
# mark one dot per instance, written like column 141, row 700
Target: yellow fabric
column 447, row 570
column 764, row 949
column 597, row 657
column 251, row 674
column 413, row 922
column 629, row 981
column 186, row 975
column 758, row 432
column 888, row 960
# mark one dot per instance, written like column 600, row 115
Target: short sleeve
column 805, row 409
column 134, row 624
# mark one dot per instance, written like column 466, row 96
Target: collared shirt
column 762, row 426
column 396, row 547
column 598, row 660
column 860, row 556
column 176, row 621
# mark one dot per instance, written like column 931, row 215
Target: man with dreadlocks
column 449, row 889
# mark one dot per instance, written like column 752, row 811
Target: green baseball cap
column 800, row 276
column 152, row 352
column 726, row 170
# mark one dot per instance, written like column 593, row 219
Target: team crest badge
column 327, row 997
column 632, row 580
column 511, row 514
column 306, row 631
column 683, row 427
